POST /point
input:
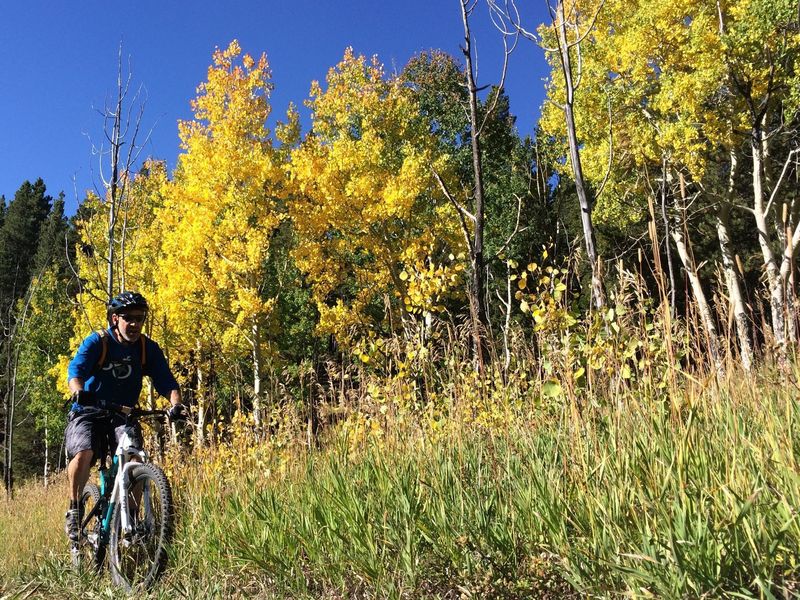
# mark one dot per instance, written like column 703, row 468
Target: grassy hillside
column 685, row 491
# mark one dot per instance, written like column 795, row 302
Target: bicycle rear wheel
column 88, row 551
column 138, row 557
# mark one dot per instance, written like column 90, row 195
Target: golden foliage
column 137, row 244
column 658, row 81
column 367, row 207
column 222, row 208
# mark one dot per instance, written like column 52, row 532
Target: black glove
column 84, row 398
column 177, row 412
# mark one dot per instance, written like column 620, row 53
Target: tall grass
column 605, row 460
column 638, row 503
column 31, row 527
column 638, row 500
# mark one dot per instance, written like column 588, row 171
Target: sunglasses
column 133, row 318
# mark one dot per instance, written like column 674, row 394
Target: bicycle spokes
column 139, row 551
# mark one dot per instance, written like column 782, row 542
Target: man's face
column 129, row 324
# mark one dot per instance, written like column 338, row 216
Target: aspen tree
column 367, row 208
column 220, row 213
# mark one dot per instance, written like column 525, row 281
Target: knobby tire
column 137, row 561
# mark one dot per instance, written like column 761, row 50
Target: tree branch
column 513, row 233
column 459, row 209
column 780, row 179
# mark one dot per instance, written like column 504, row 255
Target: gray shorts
column 93, row 429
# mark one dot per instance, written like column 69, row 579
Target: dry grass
column 32, row 527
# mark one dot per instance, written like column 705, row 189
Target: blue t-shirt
column 120, row 380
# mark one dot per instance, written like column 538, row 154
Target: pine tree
column 43, row 336
column 19, row 239
column 54, row 240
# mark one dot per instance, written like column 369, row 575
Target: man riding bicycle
column 108, row 368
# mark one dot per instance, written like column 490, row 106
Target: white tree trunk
column 699, row 297
column 682, row 243
column 731, row 276
column 258, row 369
column 734, row 289
column 200, row 397
column 774, row 279
column 46, row 472
column 598, row 295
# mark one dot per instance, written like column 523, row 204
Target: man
column 108, row 368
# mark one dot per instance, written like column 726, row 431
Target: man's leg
column 78, row 441
column 78, row 472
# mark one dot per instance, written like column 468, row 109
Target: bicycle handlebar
column 132, row 411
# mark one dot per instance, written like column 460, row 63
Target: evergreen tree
column 55, row 240
column 19, row 240
column 39, row 417
column 43, row 336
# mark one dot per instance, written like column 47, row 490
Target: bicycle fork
column 120, row 495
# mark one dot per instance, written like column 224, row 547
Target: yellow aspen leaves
column 649, row 71
column 222, row 207
column 369, row 215
column 136, row 248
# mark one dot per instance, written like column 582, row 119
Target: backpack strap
column 104, row 351
column 142, row 341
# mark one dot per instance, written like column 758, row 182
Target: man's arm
column 161, row 375
column 79, row 395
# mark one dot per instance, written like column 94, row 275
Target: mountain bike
column 129, row 515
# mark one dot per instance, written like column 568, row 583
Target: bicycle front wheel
column 138, row 556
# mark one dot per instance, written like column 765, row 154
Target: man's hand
column 84, row 398
column 177, row 412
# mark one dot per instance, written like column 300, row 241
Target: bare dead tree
column 473, row 222
column 116, row 155
column 569, row 32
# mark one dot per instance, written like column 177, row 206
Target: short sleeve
column 158, row 370
column 85, row 360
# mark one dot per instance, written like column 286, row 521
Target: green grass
column 641, row 504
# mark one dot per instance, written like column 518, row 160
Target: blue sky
column 58, row 64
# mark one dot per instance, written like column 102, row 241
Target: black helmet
column 124, row 301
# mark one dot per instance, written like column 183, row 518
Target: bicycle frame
column 122, row 464
column 117, row 475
